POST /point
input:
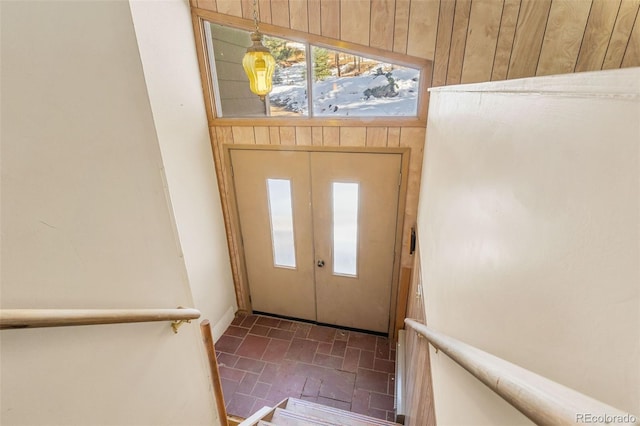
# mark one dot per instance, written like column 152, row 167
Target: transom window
column 309, row 81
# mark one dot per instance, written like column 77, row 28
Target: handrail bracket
column 175, row 324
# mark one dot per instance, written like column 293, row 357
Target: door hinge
column 400, row 180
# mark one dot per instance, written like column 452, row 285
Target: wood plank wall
column 469, row 40
column 419, row 405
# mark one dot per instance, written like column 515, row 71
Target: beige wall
column 86, row 224
column 529, row 236
column 165, row 38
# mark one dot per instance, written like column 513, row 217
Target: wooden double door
column 319, row 233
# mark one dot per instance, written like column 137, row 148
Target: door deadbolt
column 320, row 263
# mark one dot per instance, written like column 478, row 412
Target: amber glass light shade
column 259, row 66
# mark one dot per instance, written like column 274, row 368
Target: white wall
column 167, row 49
column 530, row 235
column 86, row 224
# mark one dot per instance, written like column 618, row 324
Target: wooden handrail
column 33, row 318
column 542, row 400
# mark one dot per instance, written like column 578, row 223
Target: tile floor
column 264, row 360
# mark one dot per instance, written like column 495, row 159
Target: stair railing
column 543, row 401
column 216, row 381
column 34, row 318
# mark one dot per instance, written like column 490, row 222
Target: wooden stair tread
column 297, row 412
column 333, row 415
column 282, row 417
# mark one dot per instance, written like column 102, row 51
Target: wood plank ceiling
column 469, row 40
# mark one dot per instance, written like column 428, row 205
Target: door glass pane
column 281, row 214
column 345, row 228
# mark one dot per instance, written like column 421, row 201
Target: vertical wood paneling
column 224, row 134
column 401, row 26
column 382, row 21
column 423, row 28
column 419, row 404
column 315, row 26
column 206, row 4
column 621, row 33
column 303, row 136
column 230, row 7
column 528, row 39
column 393, row 137
column 331, row 136
column 353, row 136
column 443, row 43
column 298, row 15
column 505, row 39
column 458, row 41
column 482, row 38
column 243, row 135
column 404, row 286
column 632, row 54
column 274, row 135
column 262, row 135
column 280, row 13
column 287, row 135
column 330, row 18
column 376, row 137
column 596, row 37
column 354, row 21
column 565, row 30
column 247, row 9
column 264, row 11
column 413, row 138
column 220, row 137
column 316, row 136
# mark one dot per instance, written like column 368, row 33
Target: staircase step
column 255, row 417
column 333, row 415
column 283, row 417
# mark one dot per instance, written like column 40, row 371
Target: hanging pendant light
column 258, row 62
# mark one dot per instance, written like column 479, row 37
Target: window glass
column 346, row 85
column 345, row 228
column 289, row 94
column 281, row 215
column 233, row 98
column 341, row 84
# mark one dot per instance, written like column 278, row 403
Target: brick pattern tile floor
column 264, row 360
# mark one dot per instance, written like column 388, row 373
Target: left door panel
column 274, row 207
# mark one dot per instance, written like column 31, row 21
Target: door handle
column 320, row 263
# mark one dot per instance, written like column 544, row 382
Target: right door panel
column 355, row 202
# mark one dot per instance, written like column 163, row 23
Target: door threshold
column 337, row 327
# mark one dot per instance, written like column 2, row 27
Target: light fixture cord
column 255, row 15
